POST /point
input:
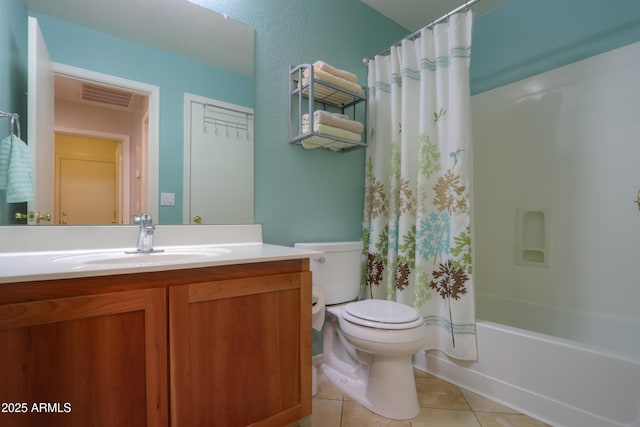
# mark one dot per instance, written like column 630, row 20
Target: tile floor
column 441, row 405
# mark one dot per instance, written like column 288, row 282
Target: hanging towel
column 16, row 170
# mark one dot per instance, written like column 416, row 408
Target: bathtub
column 558, row 381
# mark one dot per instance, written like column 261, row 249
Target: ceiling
column 415, row 14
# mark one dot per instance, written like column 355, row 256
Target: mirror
column 174, row 45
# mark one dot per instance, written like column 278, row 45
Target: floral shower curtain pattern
column 416, row 229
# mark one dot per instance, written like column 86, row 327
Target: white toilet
column 367, row 345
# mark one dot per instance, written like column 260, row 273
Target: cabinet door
column 240, row 351
column 98, row 360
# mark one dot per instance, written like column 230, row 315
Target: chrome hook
column 15, row 124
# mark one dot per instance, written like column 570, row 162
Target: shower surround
column 558, row 337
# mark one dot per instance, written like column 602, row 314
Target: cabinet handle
column 197, row 219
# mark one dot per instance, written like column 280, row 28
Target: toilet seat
column 382, row 314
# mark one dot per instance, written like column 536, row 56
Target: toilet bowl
column 367, row 345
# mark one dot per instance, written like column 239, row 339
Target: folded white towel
column 318, row 113
column 323, row 66
column 334, row 80
column 16, row 170
column 319, row 142
column 333, row 131
column 335, row 120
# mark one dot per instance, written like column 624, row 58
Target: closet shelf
column 307, row 94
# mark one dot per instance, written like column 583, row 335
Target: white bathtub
column 558, row 381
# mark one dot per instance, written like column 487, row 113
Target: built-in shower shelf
column 532, row 237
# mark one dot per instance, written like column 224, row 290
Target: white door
column 40, row 105
column 218, row 165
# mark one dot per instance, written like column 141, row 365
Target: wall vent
column 106, row 95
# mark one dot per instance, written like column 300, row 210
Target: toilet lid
column 382, row 314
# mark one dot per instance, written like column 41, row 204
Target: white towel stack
column 327, row 123
column 341, row 78
column 333, row 124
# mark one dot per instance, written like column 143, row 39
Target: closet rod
column 415, row 34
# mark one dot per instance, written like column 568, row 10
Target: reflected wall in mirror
column 100, row 145
column 174, row 45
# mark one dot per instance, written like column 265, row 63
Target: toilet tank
column 337, row 271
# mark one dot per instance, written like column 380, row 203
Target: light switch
column 167, row 199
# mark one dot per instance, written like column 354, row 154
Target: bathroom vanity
column 225, row 341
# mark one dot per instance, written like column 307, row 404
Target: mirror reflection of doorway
column 88, row 187
column 101, row 144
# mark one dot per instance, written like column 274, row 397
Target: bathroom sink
column 161, row 256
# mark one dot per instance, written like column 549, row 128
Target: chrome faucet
column 145, row 235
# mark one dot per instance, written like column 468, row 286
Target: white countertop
column 58, row 252
column 49, row 265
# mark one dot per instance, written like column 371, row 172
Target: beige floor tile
column 325, row 413
column 442, row 405
column 435, row 393
column 305, row 422
column 326, row 390
column 356, row 415
column 507, row 420
column 479, row 403
column 430, row 417
column 421, row 374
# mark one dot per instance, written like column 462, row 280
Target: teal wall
column 84, row 48
column 13, row 56
column 317, row 195
column 13, row 80
column 312, row 195
column 306, row 195
column 525, row 37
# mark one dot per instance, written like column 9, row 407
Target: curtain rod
column 413, row 35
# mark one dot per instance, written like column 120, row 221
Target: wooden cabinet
column 235, row 351
column 96, row 360
column 227, row 346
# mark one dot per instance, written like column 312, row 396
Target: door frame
column 152, row 155
column 40, row 111
column 123, row 166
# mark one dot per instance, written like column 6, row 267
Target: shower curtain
column 416, row 228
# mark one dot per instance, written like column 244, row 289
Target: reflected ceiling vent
column 106, row 95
